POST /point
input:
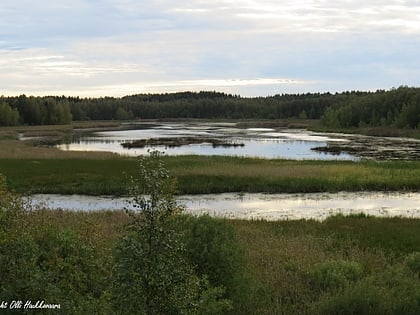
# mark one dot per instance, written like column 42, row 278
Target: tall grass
column 202, row 174
column 291, row 267
column 285, row 256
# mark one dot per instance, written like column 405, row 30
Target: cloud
column 110, row 46
column 305, row 16
column 41, row 72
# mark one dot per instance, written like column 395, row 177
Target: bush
column 152, row 272
column 18, row 273
column 212, row 247
column 363, row 298
column 412, row 261
column 72, row 272
column 40, row 262
column 392, row 292
column 335, row 274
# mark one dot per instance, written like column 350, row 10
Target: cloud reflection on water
column 316, row 206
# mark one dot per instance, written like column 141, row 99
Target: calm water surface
column 316, row 206
column 257, row 142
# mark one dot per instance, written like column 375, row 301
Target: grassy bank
column 201, row 174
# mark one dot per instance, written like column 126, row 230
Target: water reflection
column 316, row 206
column 257, row 142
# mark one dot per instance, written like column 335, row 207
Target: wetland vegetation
column 344, row 265
column 199, row 175
column 84, row 260
column 179, row 141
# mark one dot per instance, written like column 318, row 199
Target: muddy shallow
column 376, row 148
column 316, row 206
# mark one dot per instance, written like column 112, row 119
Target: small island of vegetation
column 179, row 141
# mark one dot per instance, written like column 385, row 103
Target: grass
column 279, row 256
column 202, row 174
column 12, row 148
column 42, row 169
column 282, row 254
column 67, row 176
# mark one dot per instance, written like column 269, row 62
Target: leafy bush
column 212, row 247
column 363, row 298
column 152, row 275
column 393, row 291
column 412, row 261
column 17, row 248
column 152, row 272
column 336, row 274
column 72, row 272
column 40, row 262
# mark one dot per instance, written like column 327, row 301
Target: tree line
column 23, row 110
column 395, row 108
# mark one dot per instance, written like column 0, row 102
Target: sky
column 93, row 48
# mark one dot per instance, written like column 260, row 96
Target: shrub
column 40, row 262
column 363, row 298
column 392, row 292
column 412, row 261
column 335, row 274
column 212, row 247
column 152, row 272
column 72, row 272
column 18, row 273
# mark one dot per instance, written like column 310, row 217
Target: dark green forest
column 398, row 107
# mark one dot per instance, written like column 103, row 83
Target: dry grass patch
column 12, row 148
column 15, row 149
column 272, row 169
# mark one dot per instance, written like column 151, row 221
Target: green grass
column 280, row 257
column 393, row 235
column 74, row 176
column 215, row 174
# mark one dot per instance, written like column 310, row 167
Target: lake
column 250, row 142
column 316, row 206
column 231, row 139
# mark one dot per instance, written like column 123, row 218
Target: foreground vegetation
column 344, row 265
column 201, row 174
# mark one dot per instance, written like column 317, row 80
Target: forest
column 398, row 107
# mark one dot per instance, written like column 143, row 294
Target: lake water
column 255, row 142
column 316, row 206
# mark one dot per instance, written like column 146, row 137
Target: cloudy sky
column 246, row 47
